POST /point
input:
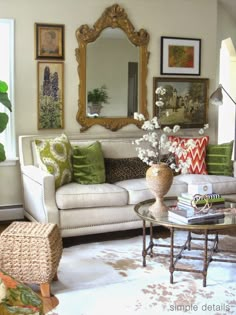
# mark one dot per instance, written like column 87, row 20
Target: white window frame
column 7, row 63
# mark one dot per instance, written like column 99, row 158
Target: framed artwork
column 180, row 56
column 185, row 101
column 50, row 95
column 49, row 41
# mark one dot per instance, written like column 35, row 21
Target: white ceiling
column 230, row 6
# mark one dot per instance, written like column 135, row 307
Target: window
column 227, row 78
column 7, row 137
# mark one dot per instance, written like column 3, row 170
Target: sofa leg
column 45, row 290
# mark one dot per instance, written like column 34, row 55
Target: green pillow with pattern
column 219, row 159
column 55, row 158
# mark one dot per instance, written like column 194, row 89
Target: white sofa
column 89, row 209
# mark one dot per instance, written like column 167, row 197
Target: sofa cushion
column 220, row 184
column 88, row 164
column 138, row 190
column 219, row 159
column 123, row 169
column 197, row 155
column 74, row 195
column 55, row 158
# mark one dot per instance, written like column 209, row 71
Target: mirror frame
column 114, row 17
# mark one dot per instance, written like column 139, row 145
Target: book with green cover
column 201, row 200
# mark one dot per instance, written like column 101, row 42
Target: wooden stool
column 31, row 253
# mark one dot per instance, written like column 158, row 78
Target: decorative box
column 200, row 188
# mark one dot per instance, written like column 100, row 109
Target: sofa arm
column 234, row 168
column 39, row 195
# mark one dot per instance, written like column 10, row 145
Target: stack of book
column 190, row 213
column 214, row 200
column 183, row 216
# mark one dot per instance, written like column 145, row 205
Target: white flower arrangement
column 155, row 144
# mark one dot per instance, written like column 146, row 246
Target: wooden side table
column 31, row 253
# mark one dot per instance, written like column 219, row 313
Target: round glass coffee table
column 208, row 234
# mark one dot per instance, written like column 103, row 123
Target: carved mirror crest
column 112, row 66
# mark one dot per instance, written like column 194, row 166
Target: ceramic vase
column 95, row 108
column 159, row 179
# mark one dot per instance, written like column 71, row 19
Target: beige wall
column 177, row 18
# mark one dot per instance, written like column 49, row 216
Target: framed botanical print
column 49, row 41
column 180, row 56
column 50, row 95
column 184, row 103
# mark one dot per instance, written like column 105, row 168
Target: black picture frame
column 180, row 56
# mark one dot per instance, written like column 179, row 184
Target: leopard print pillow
column 124, row 168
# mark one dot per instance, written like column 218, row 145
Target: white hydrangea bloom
column 155, row 142
column 176, row 128
column 159, row 103
column 167, row 129
column 160, row 90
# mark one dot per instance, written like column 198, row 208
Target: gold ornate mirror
column 112, row 66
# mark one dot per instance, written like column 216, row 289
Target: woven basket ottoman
column 31, row 253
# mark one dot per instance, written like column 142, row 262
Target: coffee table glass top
column 228, row 222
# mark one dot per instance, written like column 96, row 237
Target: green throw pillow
column 55, row 157
column 124, row 168
column 88, row 164
column 218, row 159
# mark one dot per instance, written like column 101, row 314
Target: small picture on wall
column 50, row 95
column 185, row 102
column 180, row 56
column 49, row 41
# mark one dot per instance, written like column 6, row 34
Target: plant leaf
column 3, row 87
column 3, row 121
column 5, row 100
column 2, row 153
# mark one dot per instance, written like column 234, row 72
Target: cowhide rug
column 107, row 278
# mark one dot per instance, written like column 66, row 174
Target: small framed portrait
column 49, row 41
column 50, row 95
column 184, row 103
column 180, row 56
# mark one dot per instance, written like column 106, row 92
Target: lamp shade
column 216, row 97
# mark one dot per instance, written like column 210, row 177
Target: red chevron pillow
column 197, row 155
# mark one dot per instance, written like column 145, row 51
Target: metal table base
column 208, row 252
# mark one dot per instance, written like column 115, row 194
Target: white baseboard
column 11, row 212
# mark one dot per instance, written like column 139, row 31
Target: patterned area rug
column 108, row 278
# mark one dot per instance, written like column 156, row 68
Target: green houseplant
column 96, row 97
column 4, row 100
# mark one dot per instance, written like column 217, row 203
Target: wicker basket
column 30, row 251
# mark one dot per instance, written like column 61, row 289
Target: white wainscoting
column 11, row 212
